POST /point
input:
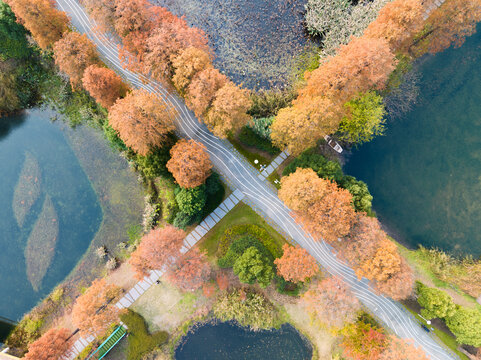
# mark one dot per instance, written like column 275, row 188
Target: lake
column 226, row 340
column 49, row 211
column 425, row 173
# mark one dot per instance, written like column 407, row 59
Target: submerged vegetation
column 28, row 189
column 40, row 248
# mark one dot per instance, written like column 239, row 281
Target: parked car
column 425, row 328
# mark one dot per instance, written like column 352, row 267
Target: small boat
column 333, row 143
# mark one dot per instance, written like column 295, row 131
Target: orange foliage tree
column 363, row 342
column 449, row 24
column 188, row 63
column 50, row 346
column 141, row 120
column 372, row 255
column 102, row 11
column 189, row 163
column 359, row 66
column 104, row 85
column 73, row 54
column 398, row 21
column 190, row 272
column 319, row 205
column 95, row 310
column 167, row 41
column 159, row 247
column 201, row 91
column 296, row 264
column 229, row 110
column 400, row 349
column 332, row 303
column 46, row 23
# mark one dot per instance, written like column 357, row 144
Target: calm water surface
column 74, row 201
column 227, row 341
column 425, row 173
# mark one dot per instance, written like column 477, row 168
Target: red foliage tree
column 400, row 349
column 52, row 345
column 161, row 246
column 189, row 163
column 46, row 23
column 222, row 281
column 201, row 91
column 190, row 272
column 73, row 54
column 95, row 311
column 142, row 121
column 103, row 12
column 363, row 342
column 104, row 85
column 167, row 41
column 332, row 303
column 296, row 264
column 319, row 205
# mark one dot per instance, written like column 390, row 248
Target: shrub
column 249, row 137
column 252, row 266
column 166, row 193
column 113, row 137
column 262, row 126
column 239, row 246
column 140, row 341
column 154, row 163
column 255, row 231
column 182, row 220
column 191, row 201
column 215, row 193
column 267, row 103
column 248, row 309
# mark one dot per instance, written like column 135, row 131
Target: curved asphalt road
column 245, row 178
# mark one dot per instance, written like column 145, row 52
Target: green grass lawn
column 240, row 214
column 272, row 177
column 446, row 338
column 249, row 155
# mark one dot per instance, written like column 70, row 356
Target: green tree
column 154, row 164
column 191, row 201
column 13, row 43
column 466, row 325
column 436, row 303
column 9, row 100
column 361, row 197
column 252, row 266
column 365, row 119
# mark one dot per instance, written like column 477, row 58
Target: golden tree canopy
column 202, row 90
column 188, row 63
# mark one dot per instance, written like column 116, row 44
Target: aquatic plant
column 28, row 188
column 40, row 248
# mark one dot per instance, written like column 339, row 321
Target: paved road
column 245, row 178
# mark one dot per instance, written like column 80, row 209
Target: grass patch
column 273, row 177
column 250, row 155
column 446, row 338
column 140, row 341
column 240, row 214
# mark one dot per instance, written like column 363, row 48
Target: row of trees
column 327, row 213
column 339, row 91
column 161, row 45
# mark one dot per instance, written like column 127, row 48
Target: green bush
column 248, row 137
column 239, row 246
column 286, row 287
column 466, row 325
column 267, row 103
column 332, row 170
column 248, row 309
column 113, row 137
column 262, row 126
column 252, row 266
column 140, row 341
column 155, row 163
column 255, row 231
column 182, row 219
column 166, row 194
column 215, row 193
column 191, row 201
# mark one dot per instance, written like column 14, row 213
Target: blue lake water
column 75, row 203
column 227, row 341
column 425, row 173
